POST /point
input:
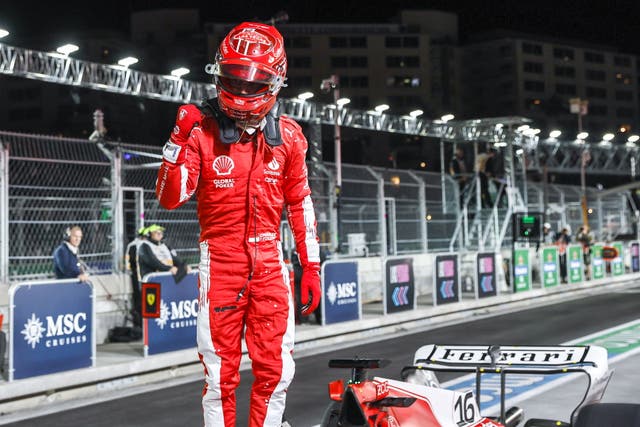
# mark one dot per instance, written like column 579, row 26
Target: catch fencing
column 49, row 183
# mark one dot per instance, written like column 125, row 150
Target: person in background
column 547, row 238
column 154, row 255
column 65, row 257
column 245, row 162
column 563, row 239
column 131, row 265
column 481, row 168
column 548, row 235
column 459, row 171
column 585, row 238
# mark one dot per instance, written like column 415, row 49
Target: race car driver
column 245, row 163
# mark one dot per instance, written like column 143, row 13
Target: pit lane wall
column 44, row 313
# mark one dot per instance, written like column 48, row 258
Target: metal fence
column 50, row 183
column 610, row 216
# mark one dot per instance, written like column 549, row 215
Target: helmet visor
column 241, row 87
column 244, row 79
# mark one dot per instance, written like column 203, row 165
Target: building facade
column 536, row 77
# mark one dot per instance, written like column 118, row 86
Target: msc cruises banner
column 175, row 328
column 51, row 327
column 340, row 292
column 446, row 288
column 399, row 287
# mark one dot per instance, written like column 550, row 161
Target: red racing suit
column 241, row 190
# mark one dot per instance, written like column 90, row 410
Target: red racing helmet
column 249, row 70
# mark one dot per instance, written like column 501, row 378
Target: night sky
column 613, row 22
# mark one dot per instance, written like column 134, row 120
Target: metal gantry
column 558, row 156
column 566, row 157
column 61, row 69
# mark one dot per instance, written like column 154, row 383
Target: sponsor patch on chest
column 224, row 183
column 273, row 171
column 223, row 165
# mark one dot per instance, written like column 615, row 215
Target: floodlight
column 128, row 61
column 305, row 95
column 67, row 49
column 178, row 72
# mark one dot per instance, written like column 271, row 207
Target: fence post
column 4, row 214
column 382, row 223
column 117, row 210
column 422, row 209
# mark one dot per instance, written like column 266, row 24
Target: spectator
column 484, row 173
column 132, row 269
column 585, row 238
column 495, row 173
column 548, row 236
column 154, row 255
column 563, row 239
column 459, row 171
column 65, row 257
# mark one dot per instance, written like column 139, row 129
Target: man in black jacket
column 132, row 268
column 65, row 256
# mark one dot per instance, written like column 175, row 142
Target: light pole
column 584, row 160
column 580, row 107
column 332, row 84
column 586, row 157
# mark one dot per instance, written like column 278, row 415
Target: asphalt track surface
column 307, row 397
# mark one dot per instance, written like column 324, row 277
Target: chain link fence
column 610, row 215
column 55, row 183
column 51, row 183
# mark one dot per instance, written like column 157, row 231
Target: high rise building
column 506, row 73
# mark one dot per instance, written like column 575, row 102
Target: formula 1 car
column 419, row 401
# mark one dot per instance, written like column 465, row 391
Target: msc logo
column 62, row 330
column 179, row 315
column 342, row 293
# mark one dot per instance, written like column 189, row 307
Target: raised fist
column 188, row 117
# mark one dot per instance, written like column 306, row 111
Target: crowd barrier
column 175, row 328
column 52, row 327
column 53, row 324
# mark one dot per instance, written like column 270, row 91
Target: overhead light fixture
column 178, row 72
column 67, row 49
column 128, row 61
column 555, row 133
column 343, row 101
column 305, row 95
column 531, row 132
column 381, row 108
column 3, row 33
column 522, row 128
column 447, row 117
column 608, row 137
column 582, row 135
column 633, row 138
column 416, row 113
